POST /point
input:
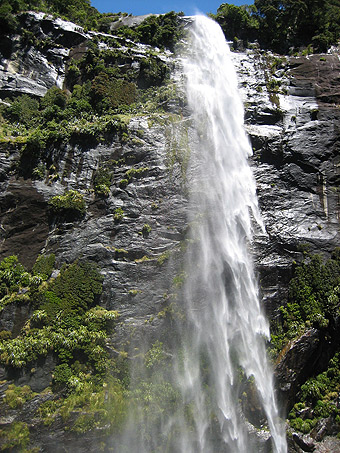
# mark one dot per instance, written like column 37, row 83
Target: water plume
column 218, row 357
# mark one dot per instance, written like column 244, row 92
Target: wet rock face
column 151, row 219
column 136, row 231
column 36, row 61
column 24, row 221
column 296, row 156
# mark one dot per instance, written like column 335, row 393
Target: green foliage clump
column 313, row 299
column 23, row 109
column 146, row 230
column 17, row 435
column 317, row 398
column 15, row 397
column 163, row 257
column 237, row 21
column 91, row 405
column 13, row 275
column 102, row 181
column 110, row 93
column 44, row 266
column 64, row 321
column 136, row 173
column 152, row 72
column 72, row 202
column 118, row 214
column 283, row 24
column 313, row 302
column 76, row 289
column 8, row 20
column 160, row 31
column 54, row 99
column 123, row 183
column 100, row 319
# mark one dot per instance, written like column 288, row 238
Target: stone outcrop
column 295, row 140
column 36, row 60
column 296, row 160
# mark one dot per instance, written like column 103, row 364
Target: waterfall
column 201, row 396
column 227, row 327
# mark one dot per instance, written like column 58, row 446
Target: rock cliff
column 136, row 231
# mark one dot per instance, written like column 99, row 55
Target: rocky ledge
column 136, row 231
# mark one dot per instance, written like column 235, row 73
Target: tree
column 237, row 21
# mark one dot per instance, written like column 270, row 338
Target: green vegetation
column 12, row 276
column 237, row 21
column 57, row 119
column 101, row 95
column 317, row 398
column 281, row 25
column 118, row 214
column 160, row 31
column 103, row 87
column 15, row 397
column 313, row 301
column 65, row 323
column 163, row 257
column 136, row 173
column 89, row 389
column 44, row 266
column 71, row 203
column 65, row 320
column 78, row 11
column 146, row 230
column 16, row 435
column 123, row 183
column 152, row 394
column 91, row 405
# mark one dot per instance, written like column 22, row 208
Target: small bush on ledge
column 72, row 202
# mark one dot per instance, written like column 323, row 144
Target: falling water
column 225, row 337
column 193, row 402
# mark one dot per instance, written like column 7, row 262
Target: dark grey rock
column 304, row 442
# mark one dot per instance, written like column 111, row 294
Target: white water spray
column 226, row 326
column 190, row 400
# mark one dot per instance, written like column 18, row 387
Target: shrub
column 313, row 299
column 24, row 109
column 8, row 21
column 44, row 265
column 123, row 183
column 107, row 92
column 99, row 318
column 118, row 214
column 72, row 202
column 54, row 97
column 102, row 181
column 12, row 274
column 136, row 172
column 17, row 435
column 146, row 230
column 76, row 287
column 61, row 375
column 152, row 72
column 160, row 31
column 15, row 397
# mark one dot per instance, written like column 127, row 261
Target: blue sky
column 137, row 7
